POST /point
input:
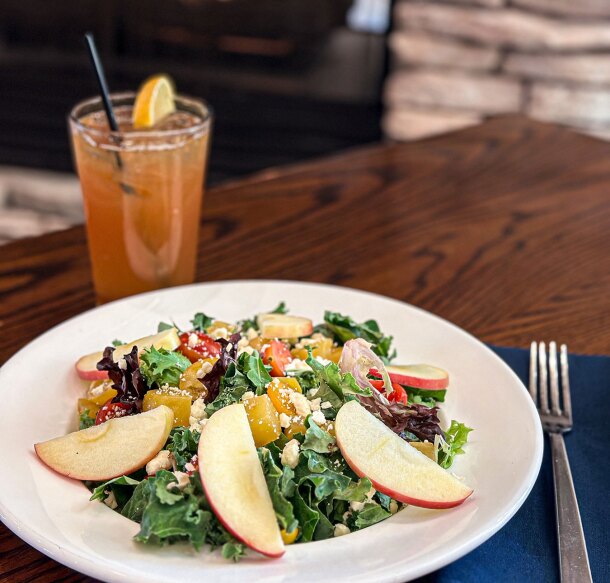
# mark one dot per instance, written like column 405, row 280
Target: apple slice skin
column 86, row 366
column 100, row 453
column 225, row 440
column 418, row 376
column 355, row 415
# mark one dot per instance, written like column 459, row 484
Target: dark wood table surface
column 503, row 229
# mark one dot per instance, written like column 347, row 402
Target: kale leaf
column 183, row 443
column 318, row 440
column 275, row 478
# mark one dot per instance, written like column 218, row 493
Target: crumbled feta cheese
column 315, row 404
column 356, row 506
column 197, row 424
column 318, row 417
column 190, row 466
column 220, row 333
column 323, row 360
column 296, row 365
column 229, row 347
column 198, row 409
column 326, row 405
column 193, row 340
column 182, row 481
column 312, row 393
column 300, row 402
column 162, row 461
column 97, row 391
column 122, row 364
column 341, row 529
column 206, row 367
column 346, row 515
column 251, row 334
column 110, row 500
column 247, row 395
column 244, row 346
column 393, row 506
column 285, row 420
column 290, row 454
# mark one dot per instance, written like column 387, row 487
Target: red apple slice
column 418, row 376
column 114, row 448
column 234, row 482
column 86, row 365
column 394, row 467
column 283, row 326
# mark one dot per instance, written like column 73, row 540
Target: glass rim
column 141, row 134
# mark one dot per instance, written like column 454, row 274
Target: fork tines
column 545, row 384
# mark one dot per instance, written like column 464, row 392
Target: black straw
column 101, row 80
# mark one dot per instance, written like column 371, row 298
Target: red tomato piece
column 398, row 395
column 110, row 410
column 205, row 347
column 277, row 356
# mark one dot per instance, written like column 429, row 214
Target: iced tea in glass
column 142, row 193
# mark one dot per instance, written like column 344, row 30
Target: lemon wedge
column 154, row 101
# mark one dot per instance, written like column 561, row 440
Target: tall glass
column 142, row 192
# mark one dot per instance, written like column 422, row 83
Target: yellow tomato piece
column 87, row 405
column 190, row 382
column 258, row 342
column 323, row 347
column 279, row 390
column 264, row 420
column 297, row 425
column 99, row 398
column 179, row 403
column 218, row 325
column 289, row 538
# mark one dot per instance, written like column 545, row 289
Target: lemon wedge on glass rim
column 154, row 101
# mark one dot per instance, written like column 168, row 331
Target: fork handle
column 573, row 559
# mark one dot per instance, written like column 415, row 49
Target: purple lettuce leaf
column 419, row 420
column 212, row 380
column 128, row 382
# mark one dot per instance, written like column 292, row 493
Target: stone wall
column 454, row 62
column 34, row 202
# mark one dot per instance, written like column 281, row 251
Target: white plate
column 39, row 388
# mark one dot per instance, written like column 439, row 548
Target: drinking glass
column 142, row 193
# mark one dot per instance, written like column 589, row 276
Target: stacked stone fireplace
column 454, row 63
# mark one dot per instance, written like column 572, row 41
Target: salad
column 261, row 433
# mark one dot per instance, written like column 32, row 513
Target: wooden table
column 503, row 229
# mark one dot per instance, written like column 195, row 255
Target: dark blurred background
column 290, row 80
column 287, row 79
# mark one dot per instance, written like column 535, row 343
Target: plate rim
column 83, row 563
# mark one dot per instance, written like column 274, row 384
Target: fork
column 557, row 420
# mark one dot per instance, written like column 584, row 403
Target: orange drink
column 142, row 192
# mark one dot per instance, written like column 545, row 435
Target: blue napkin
column 526, row 548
